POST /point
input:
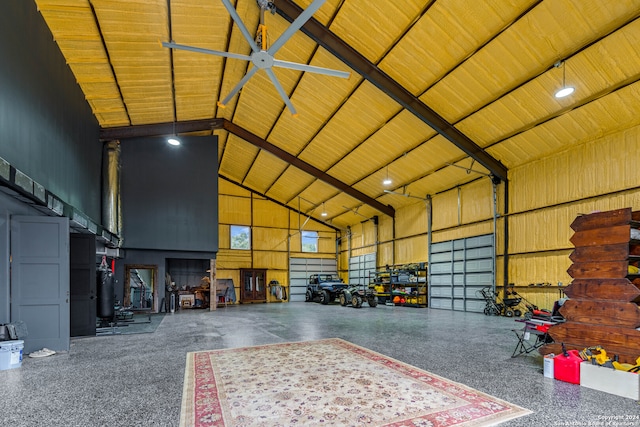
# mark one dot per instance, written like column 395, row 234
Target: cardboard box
column 620, row 383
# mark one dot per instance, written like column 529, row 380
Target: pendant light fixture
column 564, row 90
column 173, row 140
column 387, row 180
column 324, row 213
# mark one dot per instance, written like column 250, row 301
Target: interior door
column 40, row 280
column 83, row 284
column 253, row 285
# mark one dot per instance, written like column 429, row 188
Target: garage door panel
column 299, row 271
column 458, row 270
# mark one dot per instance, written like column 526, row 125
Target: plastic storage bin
column 11, row 354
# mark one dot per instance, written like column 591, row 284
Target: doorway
column 140, row 287
column 253, row 285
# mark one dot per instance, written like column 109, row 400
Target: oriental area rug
column 328, row 382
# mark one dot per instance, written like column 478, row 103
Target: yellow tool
column 627, row 366
column 599, row 358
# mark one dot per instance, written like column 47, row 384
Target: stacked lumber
column 603, row 306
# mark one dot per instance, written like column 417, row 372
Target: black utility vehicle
column 356, row 295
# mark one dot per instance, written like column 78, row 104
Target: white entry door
column 40, row 280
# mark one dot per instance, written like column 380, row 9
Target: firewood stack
column 603, row 306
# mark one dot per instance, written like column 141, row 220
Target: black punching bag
column 105, row 291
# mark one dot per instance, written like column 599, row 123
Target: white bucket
column 11, row 354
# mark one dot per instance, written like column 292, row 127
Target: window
column 309, row 241
column 240, row 237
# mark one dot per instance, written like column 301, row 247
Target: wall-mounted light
column 564, row 90
column 173, row 140
column 387, row 180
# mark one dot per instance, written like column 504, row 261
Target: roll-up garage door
column 359, row 268
column 458, row 269
column 301, row 268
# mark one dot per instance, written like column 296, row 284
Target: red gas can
column 566, row 366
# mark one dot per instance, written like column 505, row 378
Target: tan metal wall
column 545, row 196
column 275, row 235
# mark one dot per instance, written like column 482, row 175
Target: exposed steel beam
column 160, row 129
column 306, row 167
column 340, row 49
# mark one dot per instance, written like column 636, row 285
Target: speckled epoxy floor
column 136, row 380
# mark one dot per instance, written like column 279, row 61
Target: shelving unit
column 603, row 306
column 408, row 282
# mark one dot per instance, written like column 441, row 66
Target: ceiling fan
column 262, row 55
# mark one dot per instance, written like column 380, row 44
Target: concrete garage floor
column 136, row 380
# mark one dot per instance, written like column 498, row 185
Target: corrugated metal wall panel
column 270, row 239
column 234, row 210
column 270, row 260
column 578, row 173
column 269, row 214
column 412, row 249
column 549, row 267
column 411, row 220
column 385, row 254
column 477, row 201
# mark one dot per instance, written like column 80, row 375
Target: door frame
column 127, row 289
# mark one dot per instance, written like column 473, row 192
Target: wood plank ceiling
column 485, row 68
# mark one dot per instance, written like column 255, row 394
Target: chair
column 532, row 336
column 222, row 295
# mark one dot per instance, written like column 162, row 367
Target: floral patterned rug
column 327, row 382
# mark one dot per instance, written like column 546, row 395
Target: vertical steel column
column 428, row 203
column 495, row 232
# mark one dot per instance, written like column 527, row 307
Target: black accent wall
column 169, row 195
column 47, row 129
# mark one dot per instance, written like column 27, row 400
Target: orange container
column 567, row 368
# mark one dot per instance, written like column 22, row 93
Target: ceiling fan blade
column 172, row 45
column 236, row 18
column 295, row 25
column 237, row 87
column 310, row 68
column 281, row 91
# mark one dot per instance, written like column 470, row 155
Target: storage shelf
column 407, row 281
